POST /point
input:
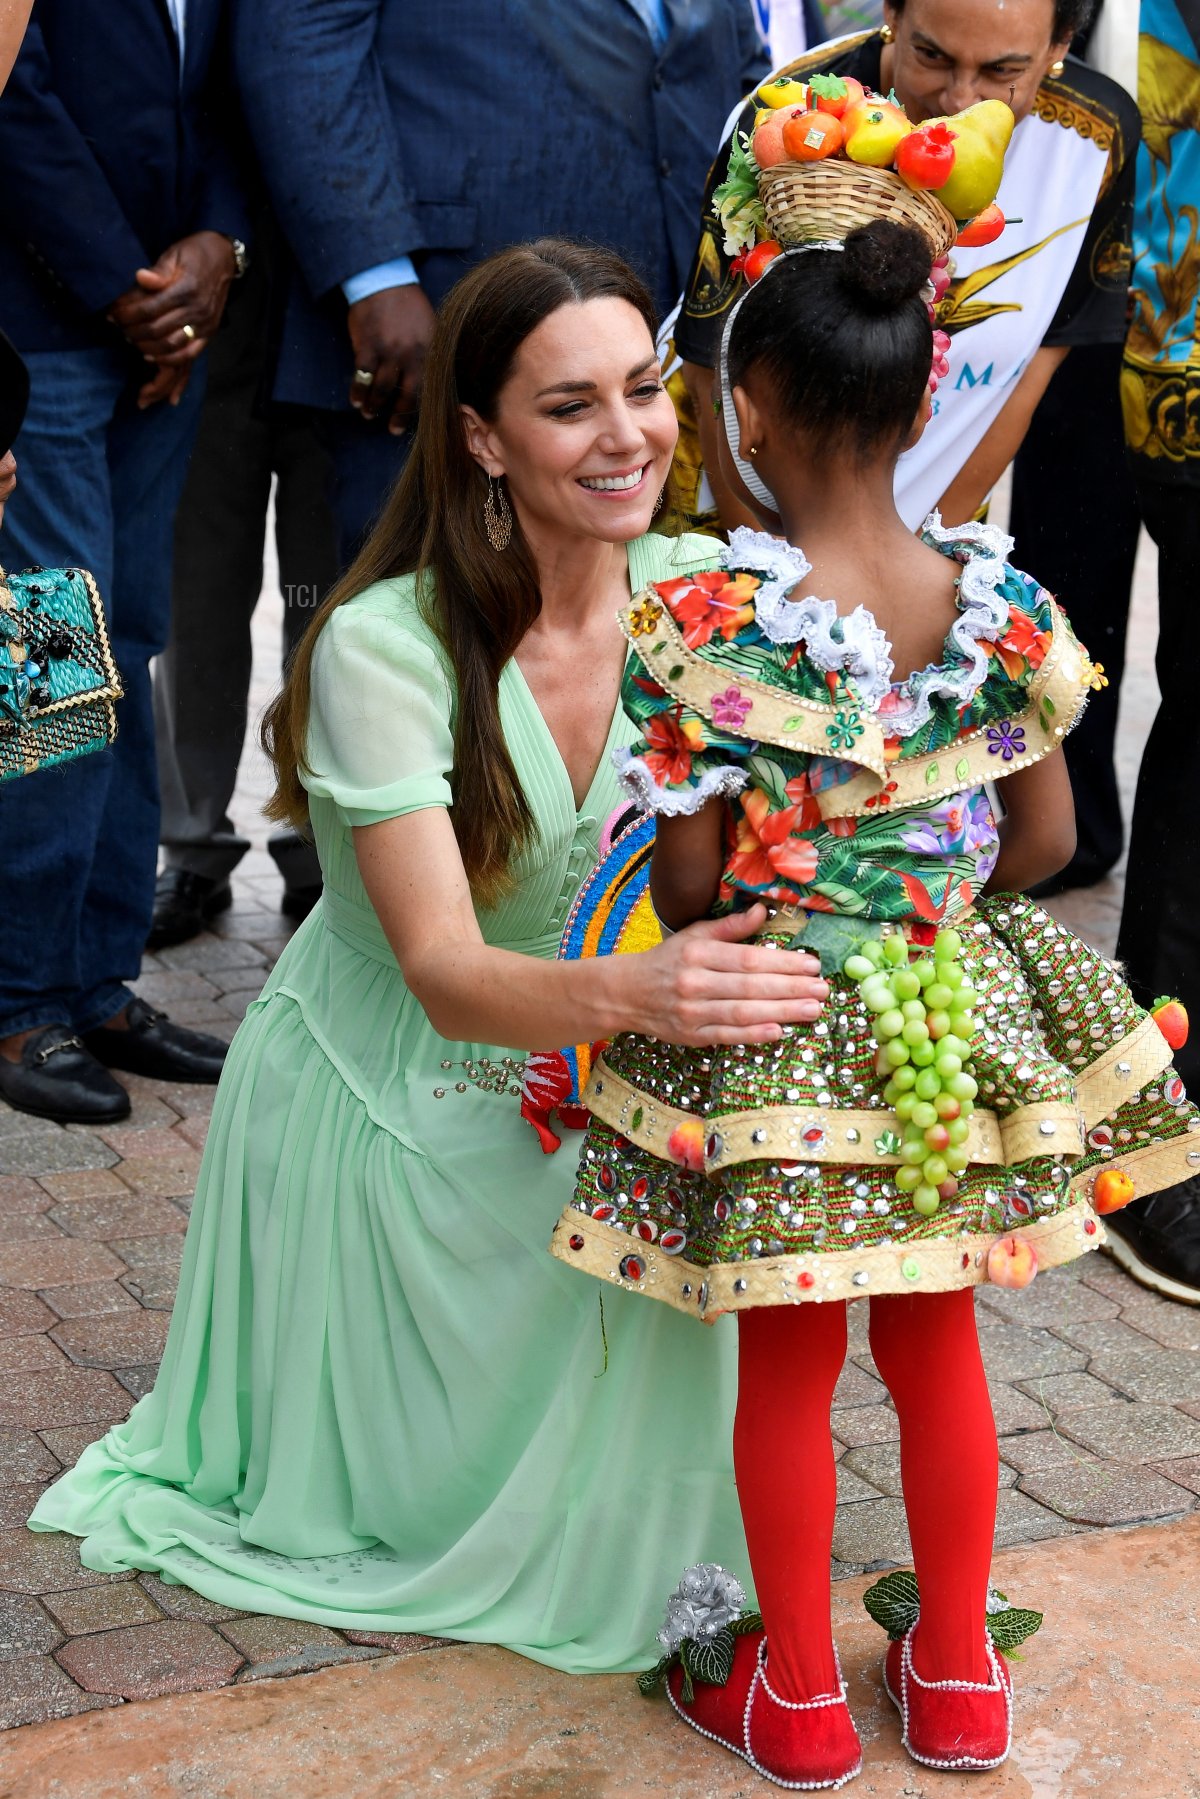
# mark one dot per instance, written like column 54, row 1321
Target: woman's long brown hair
column 478, row 601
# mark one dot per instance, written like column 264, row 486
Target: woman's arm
column 704, row 986
column 1037, row 832
column 685, row 871
column 989, row 459
column 14, row 16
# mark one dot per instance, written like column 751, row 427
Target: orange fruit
column 812, row 137
column 1111, row 1190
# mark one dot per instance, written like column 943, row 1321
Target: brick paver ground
column 1096, row 1382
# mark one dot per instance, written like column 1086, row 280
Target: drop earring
column 658, row 504
column 497, row 515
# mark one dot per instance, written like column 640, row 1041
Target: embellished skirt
column 716, row 1180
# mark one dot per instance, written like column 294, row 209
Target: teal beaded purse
column 58, row 680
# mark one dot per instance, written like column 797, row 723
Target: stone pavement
column 479, row 1723
column 1096, row 1382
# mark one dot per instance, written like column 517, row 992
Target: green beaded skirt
column 759, row 1175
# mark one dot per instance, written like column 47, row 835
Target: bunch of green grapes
column 923, row 1020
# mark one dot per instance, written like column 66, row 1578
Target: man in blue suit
column 120, row 232
column 405, row 140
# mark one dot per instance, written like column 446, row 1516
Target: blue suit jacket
column 446, row 129
column 106, row 157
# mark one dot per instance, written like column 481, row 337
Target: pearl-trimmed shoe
column 807, row 1745
column 951, row 1723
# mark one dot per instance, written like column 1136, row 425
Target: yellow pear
column 982, row 134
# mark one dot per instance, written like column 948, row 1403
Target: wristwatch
column 241, row 257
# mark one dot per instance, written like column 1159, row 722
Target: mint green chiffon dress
column 383, row 1405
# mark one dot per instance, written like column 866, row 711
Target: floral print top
column 847, row 791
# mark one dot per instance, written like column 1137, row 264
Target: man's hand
column 390, row 333
column 175, row 307
column 167, row 382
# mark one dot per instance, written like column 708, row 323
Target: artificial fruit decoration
column 981, row 133
column 874, row 130
column 812, row 136
column 983, row 230
column 783, row 90
column 1172, row 1020
column 835, row 93
column 767, row 141
column 925, row 158
column 756, row 261
column 1012, row 1262
column 1111, row 1190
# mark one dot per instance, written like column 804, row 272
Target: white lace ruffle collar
column 857, row 646
column 854, row 644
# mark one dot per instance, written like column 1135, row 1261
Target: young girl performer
column 981, row 1085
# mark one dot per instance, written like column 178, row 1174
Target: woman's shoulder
column 386, row 618
column 658, row 557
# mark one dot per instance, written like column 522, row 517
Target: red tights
column 926, row 1348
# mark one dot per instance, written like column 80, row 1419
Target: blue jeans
column 97, row 487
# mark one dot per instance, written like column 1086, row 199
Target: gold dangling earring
column 497, row 515
column 1056, row 69
column 885, row 35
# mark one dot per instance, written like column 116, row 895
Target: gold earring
column 1056, row 69
column 497, row 515
column 753, row 450
column 885, row 34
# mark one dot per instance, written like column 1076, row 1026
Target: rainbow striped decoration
column 612, row 914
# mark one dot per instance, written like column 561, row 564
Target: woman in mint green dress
column 382, row 1405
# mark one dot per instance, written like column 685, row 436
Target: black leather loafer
column 57, row 1078
column 155, row 1047
column 184, row 903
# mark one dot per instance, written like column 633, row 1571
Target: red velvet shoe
column 806, row 1745
column 951, row 1723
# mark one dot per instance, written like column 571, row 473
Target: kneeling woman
column 378, row 1406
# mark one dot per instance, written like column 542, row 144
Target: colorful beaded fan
column 612, row 916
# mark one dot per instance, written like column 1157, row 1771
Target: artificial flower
column 765, row 846
column 671, row 742
column 710, row 603
column 730, row 709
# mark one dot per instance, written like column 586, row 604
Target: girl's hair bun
column 884, row 264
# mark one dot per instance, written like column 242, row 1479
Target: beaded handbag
column 58, row 680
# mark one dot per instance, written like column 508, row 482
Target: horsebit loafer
column 153, row 1046
column 57, row 1078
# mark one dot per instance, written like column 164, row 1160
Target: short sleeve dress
column 858, row 806
column 382, row 1406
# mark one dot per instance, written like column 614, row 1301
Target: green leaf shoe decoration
column 895, row 1604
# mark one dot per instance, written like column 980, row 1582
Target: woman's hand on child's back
column 709, row 985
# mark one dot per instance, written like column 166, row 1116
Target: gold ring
column 364, row 377
column 189, row 331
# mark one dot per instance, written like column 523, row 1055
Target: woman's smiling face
column 584, row 430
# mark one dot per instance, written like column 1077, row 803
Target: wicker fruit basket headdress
column 808, row 202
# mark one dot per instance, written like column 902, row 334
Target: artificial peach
column 1012, row 1262
column 685, row 1145
column 767, row 142
column 1111, row 1190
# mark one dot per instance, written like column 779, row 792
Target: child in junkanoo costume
column 981, row 1084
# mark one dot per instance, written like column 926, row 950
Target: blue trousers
column 98, row 483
